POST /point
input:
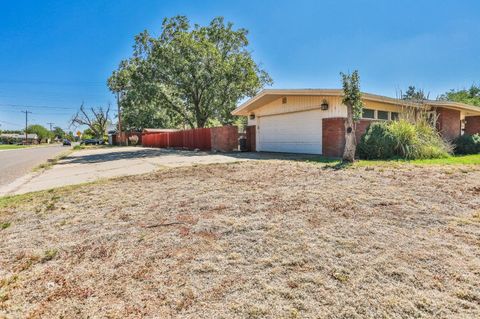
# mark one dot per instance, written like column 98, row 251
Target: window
column 368, row 114
column 394, row 116
column 382, row 115
column 432, row 117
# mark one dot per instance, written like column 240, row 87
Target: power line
column 42, row 113
column 40, row 106
column 10, row 123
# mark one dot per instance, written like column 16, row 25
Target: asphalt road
column 16, row 163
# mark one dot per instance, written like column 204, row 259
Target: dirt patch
column 270, row 239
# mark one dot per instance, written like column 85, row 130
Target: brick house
column 311, row 121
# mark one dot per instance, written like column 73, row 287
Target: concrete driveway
column 89, row 165
column 92, row 164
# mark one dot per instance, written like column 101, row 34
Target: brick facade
column 333, row 135
column 448, row 123
column 472, row 125
column 225, row 138
column 251, row 138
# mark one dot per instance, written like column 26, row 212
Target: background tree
column 43, row 134
column 96, row 119
column 188, row 75
column 352, row 98
column 58, row 132
column 468, row 96
column 414, row 94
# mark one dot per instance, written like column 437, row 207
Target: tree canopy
column 189, row 75
column 42, row 133
column 352, row 96
column 414, row 94
column 468, row 96
column 58, row 132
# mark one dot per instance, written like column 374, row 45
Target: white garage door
column 299, row 132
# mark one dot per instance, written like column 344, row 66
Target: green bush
column 377, row 143
column 402, row 139
column 467, row 144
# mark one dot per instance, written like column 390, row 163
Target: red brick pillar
column 472, row 125
column 333, row 136
column 448, row 123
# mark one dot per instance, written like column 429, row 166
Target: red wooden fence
column 191, row 139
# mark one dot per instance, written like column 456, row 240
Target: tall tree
column 58, row 132
column 468, row 96
column 352, row 99
column 96, row 119
column 189, row 74
column 43, row 134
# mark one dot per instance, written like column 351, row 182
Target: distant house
column 312, row 120
column 13, row 138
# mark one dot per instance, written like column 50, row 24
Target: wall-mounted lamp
column 284, row 100
column 252, row 116
column 324, row 105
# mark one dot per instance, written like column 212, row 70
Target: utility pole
column 26, row 124
column 119, row 119
column 50, row 126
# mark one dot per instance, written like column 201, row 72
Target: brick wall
column 448, row 123
column 251, row 138
column 473, row 125
column 333, row 135
column 225, row 138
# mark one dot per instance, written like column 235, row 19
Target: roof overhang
column 269, row 95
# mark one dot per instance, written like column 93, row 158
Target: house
column 312, row 120
column 13, row 138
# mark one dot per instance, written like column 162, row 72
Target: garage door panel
column 299, row 132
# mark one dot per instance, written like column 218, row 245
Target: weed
column 341, row 276
column 5, row 225
column 49, row 255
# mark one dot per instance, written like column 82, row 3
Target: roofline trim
column 339, row 92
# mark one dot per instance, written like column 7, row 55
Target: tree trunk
column 350, row 140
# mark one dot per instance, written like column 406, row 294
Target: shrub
column 467, row 144
column 403, row 139
column 377, row 143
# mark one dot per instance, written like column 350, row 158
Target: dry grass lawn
column 270, row 239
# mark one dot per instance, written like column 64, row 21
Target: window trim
column 388, row 115
column 369, row 118
column 375, row 115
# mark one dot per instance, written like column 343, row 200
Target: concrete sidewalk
column 93, row 164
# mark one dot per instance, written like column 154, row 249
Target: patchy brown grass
column 265, row 239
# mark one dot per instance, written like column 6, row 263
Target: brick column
column 448, row 123
column 473, row 125
column 333, row 135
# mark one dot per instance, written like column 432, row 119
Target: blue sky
column 54, row 55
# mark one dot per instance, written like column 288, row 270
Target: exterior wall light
column 252, row 116
column 324, row 105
